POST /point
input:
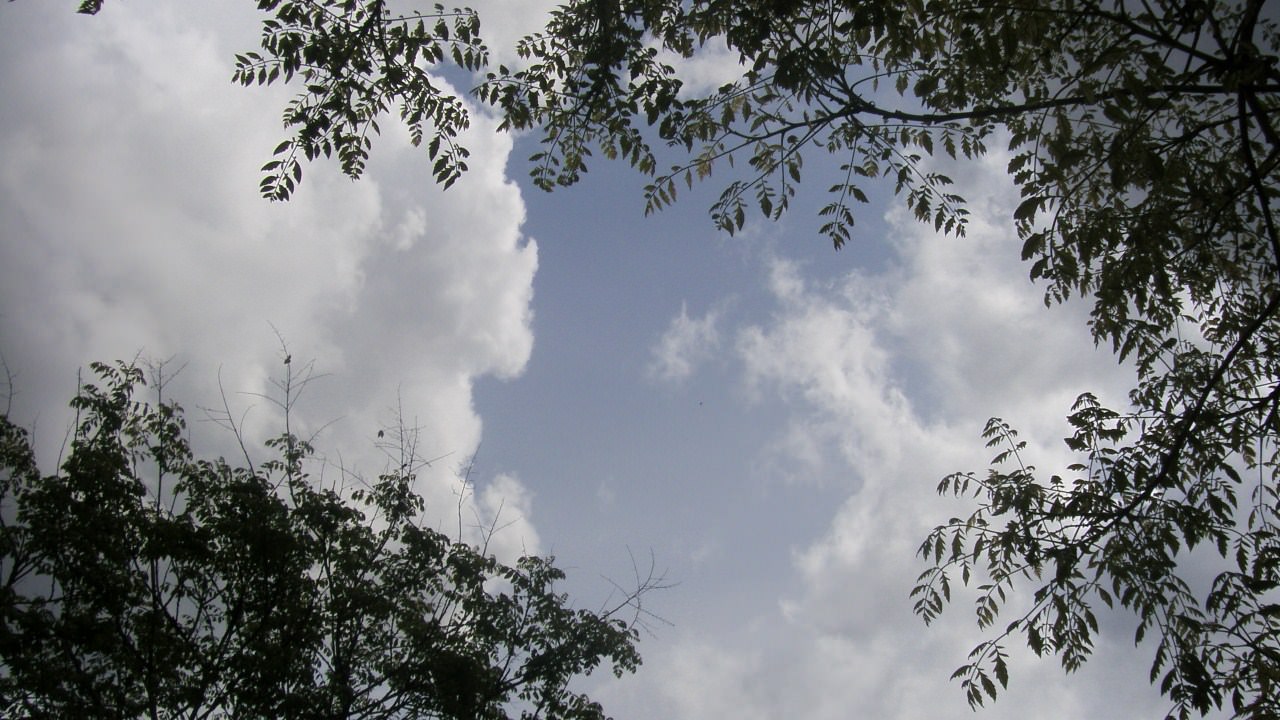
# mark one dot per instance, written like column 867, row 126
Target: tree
column 140, row 581
column 1144, row 143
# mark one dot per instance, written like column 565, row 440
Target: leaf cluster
column 1119, row 532
column 602, row 75
column 142, row 581
column 356, row 61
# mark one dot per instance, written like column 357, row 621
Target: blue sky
column 765, row 417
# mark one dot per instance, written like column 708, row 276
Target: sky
column 760, row 419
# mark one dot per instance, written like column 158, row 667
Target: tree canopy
column 141, row 581
column 1144, row 143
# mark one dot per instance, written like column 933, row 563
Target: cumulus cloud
column 131, row 223
column 686, row 343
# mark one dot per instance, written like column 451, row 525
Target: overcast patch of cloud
column 131, row 223
column 685, row 344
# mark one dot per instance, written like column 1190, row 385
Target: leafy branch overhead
column 356, row 63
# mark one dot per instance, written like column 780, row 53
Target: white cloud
column 821, row 348
column 685, row 344
column 128, row 171
column 505, row 510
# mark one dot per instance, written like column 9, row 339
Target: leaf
column 988, row 686
column 925, row 86
column 1027, row 209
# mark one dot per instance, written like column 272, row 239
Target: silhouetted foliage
column 140, row 581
